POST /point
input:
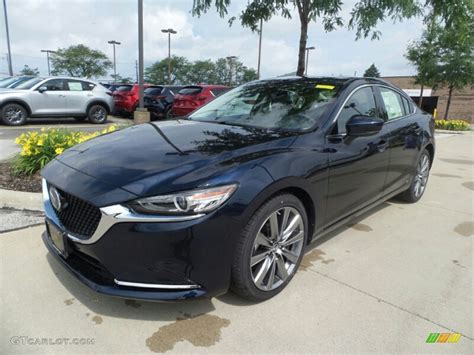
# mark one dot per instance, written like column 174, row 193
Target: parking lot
column 382, row 284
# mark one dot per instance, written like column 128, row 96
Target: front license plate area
column 58, row 238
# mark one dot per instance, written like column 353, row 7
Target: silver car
column 56, row 97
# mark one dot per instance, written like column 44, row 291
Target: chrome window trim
column 161, row 286
column 110, row 216
column 373, row 85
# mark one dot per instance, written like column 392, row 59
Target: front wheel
column 270, row 248
column 97, row 114
column 420, row 180
column 14, row 115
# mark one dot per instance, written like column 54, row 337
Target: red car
column 126, row 98
column 192, row 97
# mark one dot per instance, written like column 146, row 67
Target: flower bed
column 452, row 125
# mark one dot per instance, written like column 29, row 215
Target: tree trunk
column 420, row 100
column 450, row 94
column 303, row 40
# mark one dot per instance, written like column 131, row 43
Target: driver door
column 357, row 165
column 53, row 100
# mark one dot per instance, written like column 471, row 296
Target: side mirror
column 363, row 125
column 42, row 89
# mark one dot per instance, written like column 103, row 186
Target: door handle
column 382, row 146
column 62, row 95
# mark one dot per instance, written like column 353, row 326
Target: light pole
column 307, row 58
column 230, row 59
column 141, row 115
column 113, row 42
column 259, row 48
column 47, row 51
column 10, row 66
column 169, row 31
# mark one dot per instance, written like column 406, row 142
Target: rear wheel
column 270, row 248
column 14, row 114
column 420, row 180
column 97, row 114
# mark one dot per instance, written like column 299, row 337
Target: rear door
column 78, row 95
column 53, row 100
column 357, row 165
column 406, row 138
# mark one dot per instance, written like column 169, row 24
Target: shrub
column 39, row 148
column 452, row 125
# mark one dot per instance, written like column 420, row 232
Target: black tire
column 97, row 114
column 413, row 194
column 80, row 118
column 243, row 282
column 169, row 114
column 14, row 115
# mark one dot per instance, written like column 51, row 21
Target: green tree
column 80, row 61
column 372, row 72
column 29, row 71
column 119, row 79
column 202, row 71
column 423, row 54
column 456, row 58
column 365, row 15
column 157, row 73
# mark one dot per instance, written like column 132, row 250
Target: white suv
column 56, row 97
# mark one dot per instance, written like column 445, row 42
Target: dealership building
column 462, row 101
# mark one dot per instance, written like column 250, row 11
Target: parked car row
column 54, row 97
column 164, row 101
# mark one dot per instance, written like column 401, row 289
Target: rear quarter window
column 153, row 91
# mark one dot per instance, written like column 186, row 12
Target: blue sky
column 49, row 24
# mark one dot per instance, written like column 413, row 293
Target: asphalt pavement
column 383, row 284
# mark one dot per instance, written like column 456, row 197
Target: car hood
column 158, row 158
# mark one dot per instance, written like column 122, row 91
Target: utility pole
column 47, row 51
column 307, row 59
column 114, row 42
column 9, row 54
column 169, row 31
column 259, row 48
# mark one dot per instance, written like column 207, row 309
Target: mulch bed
column 10, row 181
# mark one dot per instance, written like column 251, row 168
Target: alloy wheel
column 14, row 115
column 99, row 114
column 277, row 248
column 422, row 173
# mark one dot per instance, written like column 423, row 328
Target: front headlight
column 185, row 203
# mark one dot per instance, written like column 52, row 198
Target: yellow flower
column 112, row 128
column 58, row 150
column 40, row 142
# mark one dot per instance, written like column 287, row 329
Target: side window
column 361, row 102
column 56, row 85
column 408, row 108
column 86, row 86
column 393, row 103
column 74, row 85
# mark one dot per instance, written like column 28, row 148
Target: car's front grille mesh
column 78, row 216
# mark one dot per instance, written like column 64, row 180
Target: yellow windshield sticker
column 325, row 87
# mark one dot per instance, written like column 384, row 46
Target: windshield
column 289, row 105
column 29, row 84
column 7, row 81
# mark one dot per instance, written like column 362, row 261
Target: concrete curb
column 444, row 131
column 20, row 200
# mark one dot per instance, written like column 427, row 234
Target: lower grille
column 78, row 216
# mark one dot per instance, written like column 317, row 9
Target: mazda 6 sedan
column 231, row 196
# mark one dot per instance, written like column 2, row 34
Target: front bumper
column 149, row 259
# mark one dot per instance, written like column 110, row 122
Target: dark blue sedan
column 230, row 197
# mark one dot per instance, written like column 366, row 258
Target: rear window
column 155, row 91
column 190, row 90
column 217, row 92
column 124, row 88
